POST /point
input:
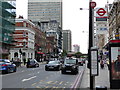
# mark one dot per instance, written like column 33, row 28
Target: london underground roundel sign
column 101, row 12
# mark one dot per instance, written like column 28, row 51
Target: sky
column 74, row 19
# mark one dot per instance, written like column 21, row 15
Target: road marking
column 28, row 78
column 38, row 72
column 61, row 82
column 46, row 86
column 55, row 82
column 37, row 87
column 34, row 84
column 22, row 71
column 65, row 84
column 49, row 82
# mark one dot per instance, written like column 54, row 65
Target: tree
column 78, row 54
column 64, row 53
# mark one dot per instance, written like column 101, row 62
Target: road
column 39, row 78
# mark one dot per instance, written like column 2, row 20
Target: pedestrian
column 24, row 60
column 108, row 64
column 102, row 64
column 28, row 62
column 117, row 67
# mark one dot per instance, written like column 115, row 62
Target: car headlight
column 73, row 66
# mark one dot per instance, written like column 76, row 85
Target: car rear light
column 4, row 65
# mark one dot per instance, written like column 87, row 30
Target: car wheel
column 46, row 69
column 62, row 71
column 15, row 69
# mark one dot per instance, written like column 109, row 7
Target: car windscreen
column 53, row 62
column 70, row 61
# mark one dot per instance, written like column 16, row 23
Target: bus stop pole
column 91, row 33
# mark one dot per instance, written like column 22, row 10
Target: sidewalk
column 102, row 80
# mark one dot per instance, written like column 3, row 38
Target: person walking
column 24, row 61
column 102, row 64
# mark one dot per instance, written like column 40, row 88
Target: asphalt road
column 39, row 78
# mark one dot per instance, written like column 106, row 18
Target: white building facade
column 25, row 40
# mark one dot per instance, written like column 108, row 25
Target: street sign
column 93, row 4
column 101, row 12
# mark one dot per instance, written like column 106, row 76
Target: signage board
column 94, row 62
column 101, row 12
column 114, row 59
column 101, row 27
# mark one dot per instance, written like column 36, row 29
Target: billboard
column 115, row 63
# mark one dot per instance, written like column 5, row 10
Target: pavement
column 102, row 80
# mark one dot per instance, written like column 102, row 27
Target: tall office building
column 67, row 42
column 45, row 10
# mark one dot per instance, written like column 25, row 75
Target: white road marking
column 22, row 70
column 28, row 79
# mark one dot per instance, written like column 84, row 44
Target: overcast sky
column 74, row 19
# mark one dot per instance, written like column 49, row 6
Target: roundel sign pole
column 92, row 5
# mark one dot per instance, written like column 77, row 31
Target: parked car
column 53, row 65
column 6, row 66
column 70, row 65
column 32, row 63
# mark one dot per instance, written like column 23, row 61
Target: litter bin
column 101, row 88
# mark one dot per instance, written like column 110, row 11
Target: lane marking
column 22, row 71
column 37, row 87
column 61, row 82
column 49, row 82
column 28, row 78
column 34, row 84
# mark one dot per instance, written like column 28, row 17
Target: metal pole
column 91, row 23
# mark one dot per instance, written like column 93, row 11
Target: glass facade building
column 7, row 26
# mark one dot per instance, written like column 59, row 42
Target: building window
column 24, row 34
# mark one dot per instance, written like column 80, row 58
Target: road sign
column 101, row 12
column 93, row 4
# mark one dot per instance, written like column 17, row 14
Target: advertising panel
column 115, row 63
column 94, row 62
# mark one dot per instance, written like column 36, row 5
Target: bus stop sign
column 93, row 4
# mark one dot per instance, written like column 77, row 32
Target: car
column 80, row 61
column 32, row 63
column 6, row 66
column 53, row 65
column 70, row 65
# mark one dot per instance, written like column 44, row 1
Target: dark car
column 53, row 65
column 32, row 63
column 6, row 66
column 70, row 65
